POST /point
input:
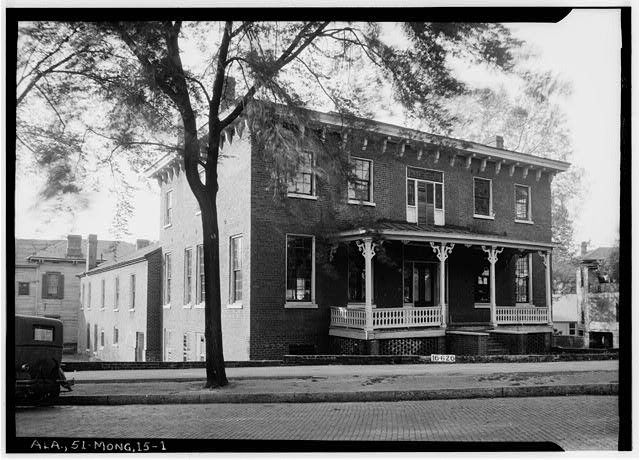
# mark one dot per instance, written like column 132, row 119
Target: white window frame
column 116, row 293
column 515, row 204
column 188, row 290
column 442, row 212
column 103, row 288
column 167, row 211
column 199, row 297
column 294, row 304
column 370, row 201
column 306, row 170
column 166, row 282
column 233, row 302
column 491, row 215
column 132, row 292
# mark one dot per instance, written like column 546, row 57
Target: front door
column 139, row 346
column 424, row 284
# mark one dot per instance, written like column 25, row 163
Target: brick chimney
column 74, row 246
column 500, row 142
column 141, row 244
column 584, row 248
column 92, row 251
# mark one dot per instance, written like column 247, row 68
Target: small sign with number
column 443, row 358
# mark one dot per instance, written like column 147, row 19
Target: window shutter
column 60, row 286
column 43, row 286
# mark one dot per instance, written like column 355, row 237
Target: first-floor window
column 115, row 336
column 357, row 284
column 102, row 337
column 202, row 350
column 236, row 269
column 168, row 349
column 572, row 328
column 299, row 268
column 186, row 347
column 522, row 279
column 482, row 286
column 88, row 336
column 200, row 288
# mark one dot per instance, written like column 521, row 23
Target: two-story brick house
column 429, row 245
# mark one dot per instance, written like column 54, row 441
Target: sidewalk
column 294, row 384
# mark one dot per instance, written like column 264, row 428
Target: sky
column 583, row 49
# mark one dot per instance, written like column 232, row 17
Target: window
column 188, row 274
column 88, row 336
column 482, row 197
column 202, row 350
column 357, row 284
column 132, row 292
column 360, row 182
column 23, row 288
column 167, row 278
column 116, row 295
column 522, row 279
column 201, row 287
column 304, row 182
column 102, row 285
column 235, row 254
column 52, row 285
column 481, row 292
column 186, row 347
column 89, row 295
column 572, row 328
column 300, row 270
column 116, row 337
column 102, row 338
column 523, row 203
column 425, row 196
column 168, row 349
column 95, row 337
column 168, row 205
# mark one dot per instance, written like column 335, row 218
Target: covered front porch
column 436, row 288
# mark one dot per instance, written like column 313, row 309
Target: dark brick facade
column 154, row 306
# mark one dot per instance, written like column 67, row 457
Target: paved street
column 573, row 422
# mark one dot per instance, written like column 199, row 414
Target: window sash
column 132, row 292
column 102, row 293
column 167, row 278
column 168, row 206
column 304, row 181
column 236, row 269
column 201, row 288
column 481, row 292
column 188, row 274
column 52, row 284
column 482, row 197
column 117, row 293
column 522, row 202
column 299, row 268
column 522, row 279
column 360, row 183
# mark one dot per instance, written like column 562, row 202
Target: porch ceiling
column 404, row 231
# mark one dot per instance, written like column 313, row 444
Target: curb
column 600, row 389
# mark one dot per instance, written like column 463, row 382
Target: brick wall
column 154, row 306
column 186, row 319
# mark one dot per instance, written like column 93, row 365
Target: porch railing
column 387, row 318
column 522, row 315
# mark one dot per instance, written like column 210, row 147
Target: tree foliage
column 155, row 80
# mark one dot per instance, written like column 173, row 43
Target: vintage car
column 38, row 354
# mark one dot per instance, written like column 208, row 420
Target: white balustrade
column 522, row 315
column 387, row 318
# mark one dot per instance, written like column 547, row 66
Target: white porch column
column 442, row 251
column 492, row 257
column 546, row 260
column 368, row 249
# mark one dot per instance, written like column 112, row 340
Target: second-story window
column 482, row 197
column 102, row 293
column 167, row 278
column 425, row 196
column 235, row 287
column 304, row 182
column 132, row 292
column 168, row 206
column 188, row 274
column 523, row 203
column 360, row 182
column 116, row 304
column 53, row 285
column 89, row 295
column 201, row 287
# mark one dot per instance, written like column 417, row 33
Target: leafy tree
column 531, row 120
column 169, row 77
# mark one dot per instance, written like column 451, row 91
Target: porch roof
column 405, row 231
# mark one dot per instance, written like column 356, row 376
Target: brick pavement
column 573, row 422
